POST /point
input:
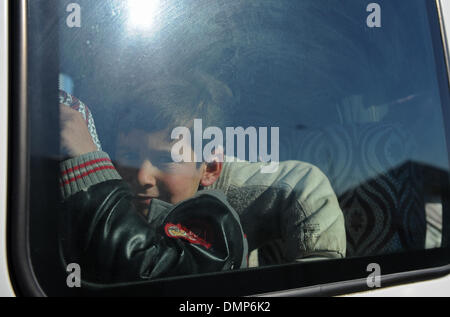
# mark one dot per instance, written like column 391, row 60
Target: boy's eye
column 163, row 160
column 128, row 157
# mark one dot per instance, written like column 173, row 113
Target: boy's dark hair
column 175, row 100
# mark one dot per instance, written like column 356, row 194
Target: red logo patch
column 178, row 231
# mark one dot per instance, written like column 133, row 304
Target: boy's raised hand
column 75, row 137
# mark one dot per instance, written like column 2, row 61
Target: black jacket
column 103, row 233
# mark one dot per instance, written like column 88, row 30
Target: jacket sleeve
column 290, row 215
column 102, row 232
column 315, row 219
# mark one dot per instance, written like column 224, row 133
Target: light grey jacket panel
column 295, row 205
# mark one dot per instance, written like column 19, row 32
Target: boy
column 289, row 215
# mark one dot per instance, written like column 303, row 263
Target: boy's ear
column 213, row 168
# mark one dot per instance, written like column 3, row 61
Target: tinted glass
column 320, row 122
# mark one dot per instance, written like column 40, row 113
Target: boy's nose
column 146, row 174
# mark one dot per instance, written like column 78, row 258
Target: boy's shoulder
column 287, row 174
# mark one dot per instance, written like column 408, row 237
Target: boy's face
column 144, row 161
